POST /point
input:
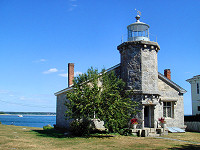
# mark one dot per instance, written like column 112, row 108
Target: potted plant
column 162, row 122
column 134, row 122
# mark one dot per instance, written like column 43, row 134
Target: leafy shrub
column 81, row 127
column 0, row 122
column 47, row 127
column 121, row 131
column 125, row 131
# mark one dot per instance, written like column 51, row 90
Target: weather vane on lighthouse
column 138, row 31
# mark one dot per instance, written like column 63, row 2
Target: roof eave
column 70, row 88
column 63, row 91
column 176, row 86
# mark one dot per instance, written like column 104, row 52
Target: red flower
column 162, row 120
column 134, row 121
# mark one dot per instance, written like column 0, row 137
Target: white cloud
column 66, row 74
column 72, row 6
column 22, row 98
column 63, row 75
column 40, row 60
column 52, row 70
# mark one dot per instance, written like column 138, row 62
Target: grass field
column 18, row 137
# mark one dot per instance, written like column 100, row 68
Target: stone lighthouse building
column 157, row 94
column 139, row 70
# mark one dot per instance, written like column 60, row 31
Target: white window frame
column 166, row 110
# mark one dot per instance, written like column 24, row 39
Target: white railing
column 152, row 38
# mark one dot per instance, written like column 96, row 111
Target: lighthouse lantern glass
column 138, row 31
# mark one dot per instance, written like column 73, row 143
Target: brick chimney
column 167, row 73
column 70, row 74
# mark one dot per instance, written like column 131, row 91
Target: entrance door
column 148, row 116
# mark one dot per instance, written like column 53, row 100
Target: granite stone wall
column 139, row 65
column 149, row 70
column 61, row 121
column 140, row 72
column 169, row 94
column 131, row 67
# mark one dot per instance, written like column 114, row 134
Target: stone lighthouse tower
column 139, row 69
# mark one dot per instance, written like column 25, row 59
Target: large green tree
column 103, row 96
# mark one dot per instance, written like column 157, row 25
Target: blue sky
column 38, row 39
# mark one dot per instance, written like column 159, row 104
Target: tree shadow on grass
column 101, row 136
column 51, row 133
column 64, row 134
column 187, row 147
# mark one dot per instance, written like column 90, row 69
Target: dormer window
column 197, row 88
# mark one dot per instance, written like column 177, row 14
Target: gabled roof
column 171, row 83
column 113, row 68
column 63, row 91
column 193, row 78
column 160, row 76
column 70, row 88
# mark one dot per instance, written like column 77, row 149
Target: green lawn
column 18, row 137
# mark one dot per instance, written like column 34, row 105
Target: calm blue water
column 30, row 121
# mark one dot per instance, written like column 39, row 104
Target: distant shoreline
column 29, row 113
column 24, row 115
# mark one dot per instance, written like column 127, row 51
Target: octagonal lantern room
column 138, row 31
